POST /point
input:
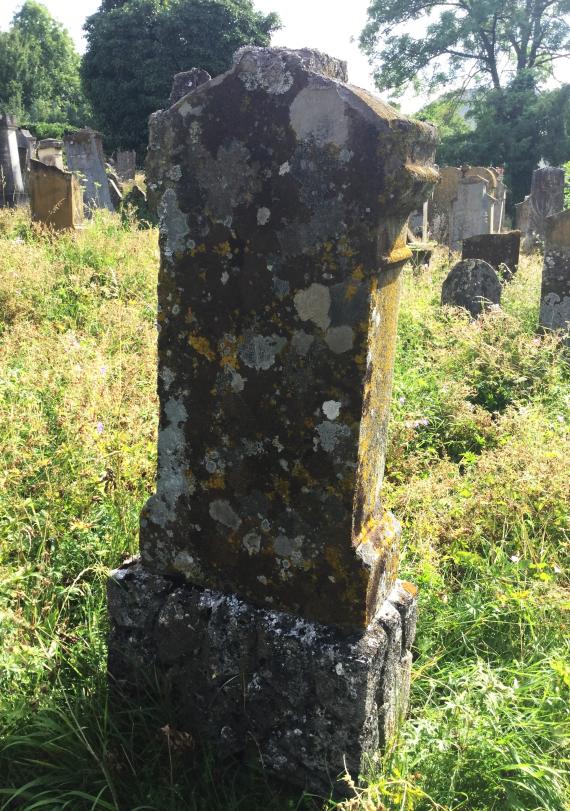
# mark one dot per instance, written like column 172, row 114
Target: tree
column 134, row 48
column 490, row 40
column 39, row 70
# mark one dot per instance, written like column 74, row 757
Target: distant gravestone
column 267, row 591
column 546, row 198
column 12, row 192
column 50, row 152
column 501, row 251
column 135, row 203
column 471, row 211
column 84, row 152
column 187, row 81
column 126, row 164
column 472, row 284
column 26, row 145
column 555, row 292
column 56, row 198
column 439, row 206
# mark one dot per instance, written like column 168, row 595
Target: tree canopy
column 39, row 70
column 490, row 40
column 136, row 46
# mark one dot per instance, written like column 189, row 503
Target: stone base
column 310, row 701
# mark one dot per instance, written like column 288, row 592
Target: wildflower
column 401, row 400
column 99, row 427
column 103, row 370
column 515, row 558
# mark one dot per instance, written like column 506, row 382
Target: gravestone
column 84, row 153
column 546, row 198
column 555, row 292
column 471, row 211
column 126, row 164
column 187, row 81
column 500, row 202
column 12, row 191
column 56, row 198
column 134, row 203
column 267, row 598
column 26, row 145
column 501, row 251
column 522, row 215
column 50, row 152
column 439, row 206
column 472, row 284
column 490, row 177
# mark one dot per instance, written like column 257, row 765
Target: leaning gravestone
column 26, row 145
column 12, row 191
column 472, row 284
column 546, row 198
column 267, row 597
column 56, row 198
column 84, row 152
column 501, row 251
column 126, row 164
column 555, row 293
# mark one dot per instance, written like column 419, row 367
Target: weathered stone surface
column 126, row 164
column 555, row 293
column 12, row 191
column 187, row 81
column 472, row 284
column 307, row 700
column 50, row 152
column 501, row 251
column 283, row 197
column 84, row 152
column 546, row 198
column 439, row 206
column 471, row 211
column 56, row 197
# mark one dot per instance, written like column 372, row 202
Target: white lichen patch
column 172, row 223
column 330, row 434
column 318, row 114
column 259, row 351
column 285, row 168
column 222, row 512
column 313, row 304
column 173, row 479
column 340, row 339
column 263, row 215
column 252, row 543
column 301, row 342
column 189, row 566
column 331, row 409
column 259, row 68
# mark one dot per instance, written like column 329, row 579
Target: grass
column 478, row 473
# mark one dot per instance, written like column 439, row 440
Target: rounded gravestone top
column 472, row 284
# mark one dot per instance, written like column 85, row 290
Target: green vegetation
column 146, row 42
column 478, row 473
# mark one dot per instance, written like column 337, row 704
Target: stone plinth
column 12, row 191
column 308, row 701
column 126, row 164
column 50, row 152
column 84, row 152
column 56, row 198
column 283, row 197
column 472, row 284
column 546, row 198
column 501, row 251
column 555, row 292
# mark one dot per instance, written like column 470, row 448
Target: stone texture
column 187, row 81
column 12, row 191
column 84, row 152
column 308, row 701
column 126, row 164
column 555, row 292
column 283, row 197
column 50, row 152
column 472, row 284
column 546, row 198
column 501, row 251
column 56, row 197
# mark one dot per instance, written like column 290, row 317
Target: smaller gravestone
column 115, row 192
column 84, row 151
column 26, row 143
column 471, row 211
column 126, row 164
column 55, row 196
column 501, row 251
column 555, row 292
column 473, row 285
column 11, row 184
column 187, row 81
column 135, row 204
column 50, row 152
column 546, row 198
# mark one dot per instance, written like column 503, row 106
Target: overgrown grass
column 478, row 473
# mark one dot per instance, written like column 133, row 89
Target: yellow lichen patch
column 227, row 349
column 282, row 486
column 201, row 248
column 358, row 273
column 202, row 346
column 216, row 482
column 223, row 249
column 350, row 292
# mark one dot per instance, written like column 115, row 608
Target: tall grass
column 478, row 473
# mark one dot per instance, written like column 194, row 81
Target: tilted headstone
column 12, row 191
column 501, row 251
column 500, row 202
column 472, row 284
column 26, row 145
column 283, row 195
column 84, row 153
column 471, row 211
column 546, row 198
column 50, row 152
column 56, row 198
column 555, row 292
column 126, row 164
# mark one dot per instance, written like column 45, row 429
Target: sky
column 332, row 26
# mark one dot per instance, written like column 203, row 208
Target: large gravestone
column 267, row 597
column 555, row 293
column 546, row 198
column 84, row 153
column 473, row 285
column 56, row 197
column 501, row 251
column 12, row 191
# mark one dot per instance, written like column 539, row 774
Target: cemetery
column 285, row 442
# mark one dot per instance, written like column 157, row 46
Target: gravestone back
column 84, row 153
column 283, row 196
column 546, row 197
